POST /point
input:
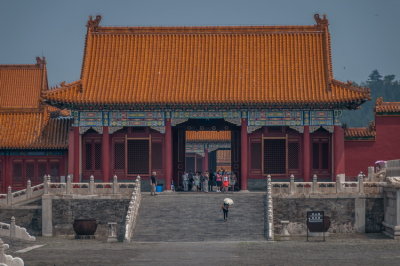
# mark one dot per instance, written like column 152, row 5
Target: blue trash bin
column 159, row 188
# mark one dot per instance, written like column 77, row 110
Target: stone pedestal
column 391, row 221
column 112, row 232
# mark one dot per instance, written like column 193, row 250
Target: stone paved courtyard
column 355, row 249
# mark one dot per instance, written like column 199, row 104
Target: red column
column 70, row 152
column 338, row 149
column 76, row 154
column 306, row 154
column 243, row 157
column 105, row 155
column 205, row 160
column 168, row 154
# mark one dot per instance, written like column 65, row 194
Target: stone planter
column 85, row 228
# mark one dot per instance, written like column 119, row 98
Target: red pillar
column 306, row 154
column 205, row 160
column 105, row 150
column 243, row 157
column 70, row 152
column 168, row 154
column 76, row 155
column 338, row 149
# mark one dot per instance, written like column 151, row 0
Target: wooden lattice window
column 138, row 156
column 119, row 155
column 274, row 156
column 293, row 155
column 30, row 170
column 255, row 148
column 17, row 171
column 156, row 155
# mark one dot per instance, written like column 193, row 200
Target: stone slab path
column 198, row 217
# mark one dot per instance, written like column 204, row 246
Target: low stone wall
column 65, row 210
column 347, row 214
column 29, row 217
column 256, row 184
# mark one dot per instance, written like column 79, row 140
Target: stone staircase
column 191, row 217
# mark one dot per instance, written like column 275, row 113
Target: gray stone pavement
column 355, row 249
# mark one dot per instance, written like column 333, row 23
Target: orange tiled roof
column 33, row 130
column 24, row 122
column 252, row 65
column 386, row 107
column 361, row 132
column 21, row 85
column 208, row 135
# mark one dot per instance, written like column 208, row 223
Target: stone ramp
column 198, row 217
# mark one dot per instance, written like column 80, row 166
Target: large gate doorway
column 179, row 144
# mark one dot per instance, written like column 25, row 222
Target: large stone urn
column 85, row 228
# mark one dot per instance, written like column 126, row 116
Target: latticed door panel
column 321, row 156
column 293, row 155
column 119, row 155
column 255, row 148
column 88, row 157
column 55, row 171
column 42, row 171
column 17, row 173
column 138, row 156
column 156, row 155
column 274, row 156
column 97, row 156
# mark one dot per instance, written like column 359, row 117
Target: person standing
column 153, row 183
column 225, row 209
column 205, row 181
column 211, row 181
column 225, row 183
column 185, row 181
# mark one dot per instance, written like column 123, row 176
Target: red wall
column 361, row 154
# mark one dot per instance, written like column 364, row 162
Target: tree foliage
column 381, row 86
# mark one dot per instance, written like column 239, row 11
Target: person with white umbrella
column 225, row 207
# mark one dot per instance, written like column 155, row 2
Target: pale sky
column 365, row 34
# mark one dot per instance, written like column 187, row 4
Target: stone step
column 198, row 217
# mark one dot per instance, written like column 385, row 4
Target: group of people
column 220, row 181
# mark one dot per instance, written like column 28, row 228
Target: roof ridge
column 351, row 86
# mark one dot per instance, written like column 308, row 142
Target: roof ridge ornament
column 40, row 61
column 321, row 21
column 92, row 24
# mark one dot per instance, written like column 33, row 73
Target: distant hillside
column 386, row 87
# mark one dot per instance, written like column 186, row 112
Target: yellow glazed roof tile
column 252, row 65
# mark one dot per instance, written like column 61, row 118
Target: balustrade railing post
column 68, row 185
column 91, row 185
column 361, row 183
column 45, row 185
column 12, row 227
column 270, row 211
column 9, row 196
column 314, row 184
column 28, row 189
column 115, row 184
column 338, row 184
column 292, row 185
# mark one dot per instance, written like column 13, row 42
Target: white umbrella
column 228, row 201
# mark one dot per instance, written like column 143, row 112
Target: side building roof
column 254, row 66
column 25, row 122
